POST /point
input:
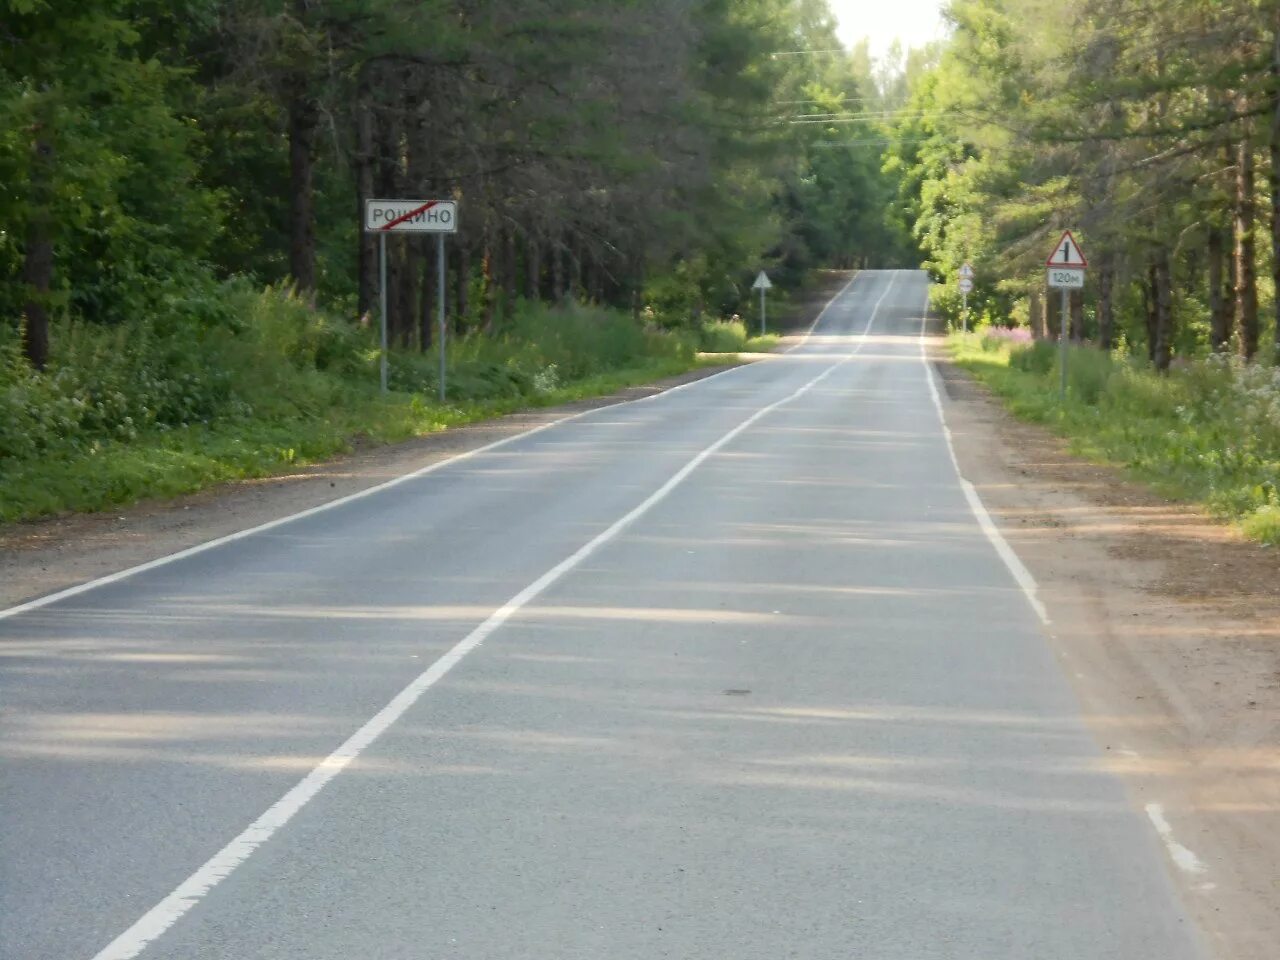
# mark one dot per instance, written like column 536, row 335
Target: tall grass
column 252, row 382
column 1208, row 430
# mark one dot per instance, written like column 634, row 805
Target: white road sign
column 966, row 272
column 966, row 285
column 410, row 216
column 1068, row 278
column 1067, row 254
column 762, row 282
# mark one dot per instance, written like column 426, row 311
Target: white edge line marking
column 1183, row 858
column 217, row 868
column 1030, row 589
column 199, row 548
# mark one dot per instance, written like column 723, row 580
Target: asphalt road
column 730, row 673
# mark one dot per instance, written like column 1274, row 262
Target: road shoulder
column 43, row 556
column 1168, row 625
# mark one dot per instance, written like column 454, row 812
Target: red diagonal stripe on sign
column 411, row 214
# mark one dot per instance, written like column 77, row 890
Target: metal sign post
column 440, row 298
column 1063, row 325
column 762, row 284
column 1066, row 272
column 382, row 299
column 410, row 216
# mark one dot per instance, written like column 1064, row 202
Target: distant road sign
column 966, row 285
column 1066, row 278
column 762, row 282
column 410, row 216
column 1067, row 254
column 966, row 272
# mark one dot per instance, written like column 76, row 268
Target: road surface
column 732, row 672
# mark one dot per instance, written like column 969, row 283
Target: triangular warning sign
column 1067, row 253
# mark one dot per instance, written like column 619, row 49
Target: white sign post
column 763, row 283
column 966, row 286
column 1066, row 266
column 411, row 216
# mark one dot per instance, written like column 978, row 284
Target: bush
column 1207, row 430
column 1088, row 374
column 1038, row 358
column 236, row 382
column 723, row 336
column 224, row 353
column 539, row 349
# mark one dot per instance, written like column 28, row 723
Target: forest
column 1151, row 129
column 186, row 295
column 185, row 291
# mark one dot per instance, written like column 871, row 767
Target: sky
column 914, row 22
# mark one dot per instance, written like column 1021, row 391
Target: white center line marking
column 217, row 868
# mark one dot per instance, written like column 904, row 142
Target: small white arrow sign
column 966, row 271
column 1067, row 254
column 762, row 282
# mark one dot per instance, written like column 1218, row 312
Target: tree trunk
column 1246, row 274
column 304, row 120
column 1076, row 300
column 429, row 293
column 405, row 289
column 637, row 281
column 1219, row 296
column 510, row 269
column 37, row 267
column 490, row 287
column 557, row 272
column 1036, row 310
column 367, row 249
column 532, row 270
column 464, row 286
column 1106, row 303
column 595, row 288
column 575, row 259
column 1149, row 311
column 1273, row 174
column 1162, row 281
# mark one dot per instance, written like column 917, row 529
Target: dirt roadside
column 44, row 556
column 1168, row 625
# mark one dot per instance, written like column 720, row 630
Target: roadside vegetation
column 1207, row 430
column 186, row 295
column 1154, row 136
column 268, row 383
column 1152, row 133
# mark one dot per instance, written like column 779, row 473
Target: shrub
column 723, row 336
column 1037, row 358
column 1088, row 373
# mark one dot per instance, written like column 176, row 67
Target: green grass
column 1207, row 431
column 249, row 383
column 185, row 460
column 762, row 343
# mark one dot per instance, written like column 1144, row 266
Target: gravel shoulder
column 1168, row 624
